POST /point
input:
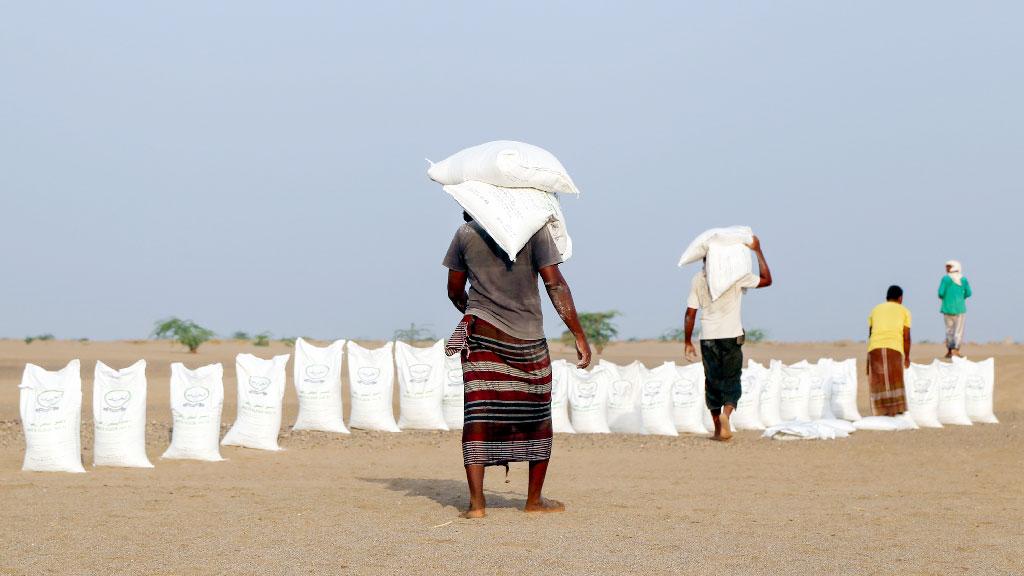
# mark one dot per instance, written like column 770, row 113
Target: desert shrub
column 598, row 327
column 186, row 332
column 673, row 335
column 261, row 339
column 414, row 333
column 40, row 337
column 240, row 335
column 755, row 335
column 290, row 341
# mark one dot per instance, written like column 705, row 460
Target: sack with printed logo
column 843, row 389
column 119, row 416
column 688, row 406
column 560, row 423
column 921, row 385
column 588, row 400
column 819, row 395
column 656, row 400
column 51, row 413
column 317, row 376
column 260, row 394
column 624, row 396
column 454, row 392
column 371, row 381
column 421, row 381
column 770, row 400
column 979, row 386
column 747, row 415
column 952, row 394
column 795, row 392
column 197, row 399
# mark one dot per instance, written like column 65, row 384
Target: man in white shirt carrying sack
column 721, row 339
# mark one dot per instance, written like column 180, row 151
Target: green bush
column 240, row 335
column 185, row 332
column 598, row 327
column 414, row 333
column 261, row 339
column 755, row 335
column 673, row 335
column 287, row 341
column 40, row 337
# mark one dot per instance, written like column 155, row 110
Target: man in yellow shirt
column 888, row 354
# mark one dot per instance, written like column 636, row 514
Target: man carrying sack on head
column 721, row 338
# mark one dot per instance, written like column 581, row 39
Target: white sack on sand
column 119, row 416
column 51, row 414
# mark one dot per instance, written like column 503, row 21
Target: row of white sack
column 669, row 399
column 430, row 392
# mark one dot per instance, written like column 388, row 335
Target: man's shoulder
column 699, row 279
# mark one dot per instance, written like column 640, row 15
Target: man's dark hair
column 466, row 216
column 893, row 293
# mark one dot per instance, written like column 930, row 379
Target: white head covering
column 955, row 273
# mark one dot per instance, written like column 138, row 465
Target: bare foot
column 473, row 513
column 726, row 433
column 545, row 505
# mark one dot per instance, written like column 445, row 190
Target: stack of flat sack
column 510, row 189
column 726, row 253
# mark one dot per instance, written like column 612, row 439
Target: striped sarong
column 885, row 378
column 507, row 397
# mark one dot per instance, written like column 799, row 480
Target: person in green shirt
column 954, row 290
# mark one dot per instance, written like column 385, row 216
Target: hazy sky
column 260, row 166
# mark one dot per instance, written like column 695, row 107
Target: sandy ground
column 947, row 501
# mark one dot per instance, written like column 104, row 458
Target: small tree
column 186, row 332
column 598, row 327
column 673, row 335
column 240, row 335
column 755, row 335
column 40, row 337
column 288, row 341
column 414, row 333
column 261, row 339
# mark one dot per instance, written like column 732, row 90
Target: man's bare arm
column 762, row 264
column 561, row 299
column 906, row 347
column 457, row 289
column 688, row 323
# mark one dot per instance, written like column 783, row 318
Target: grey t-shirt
column 503, row 292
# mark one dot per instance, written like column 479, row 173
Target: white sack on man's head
column 698, row 249
column 511, row 216
column 505, row 163
column 727, row 256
